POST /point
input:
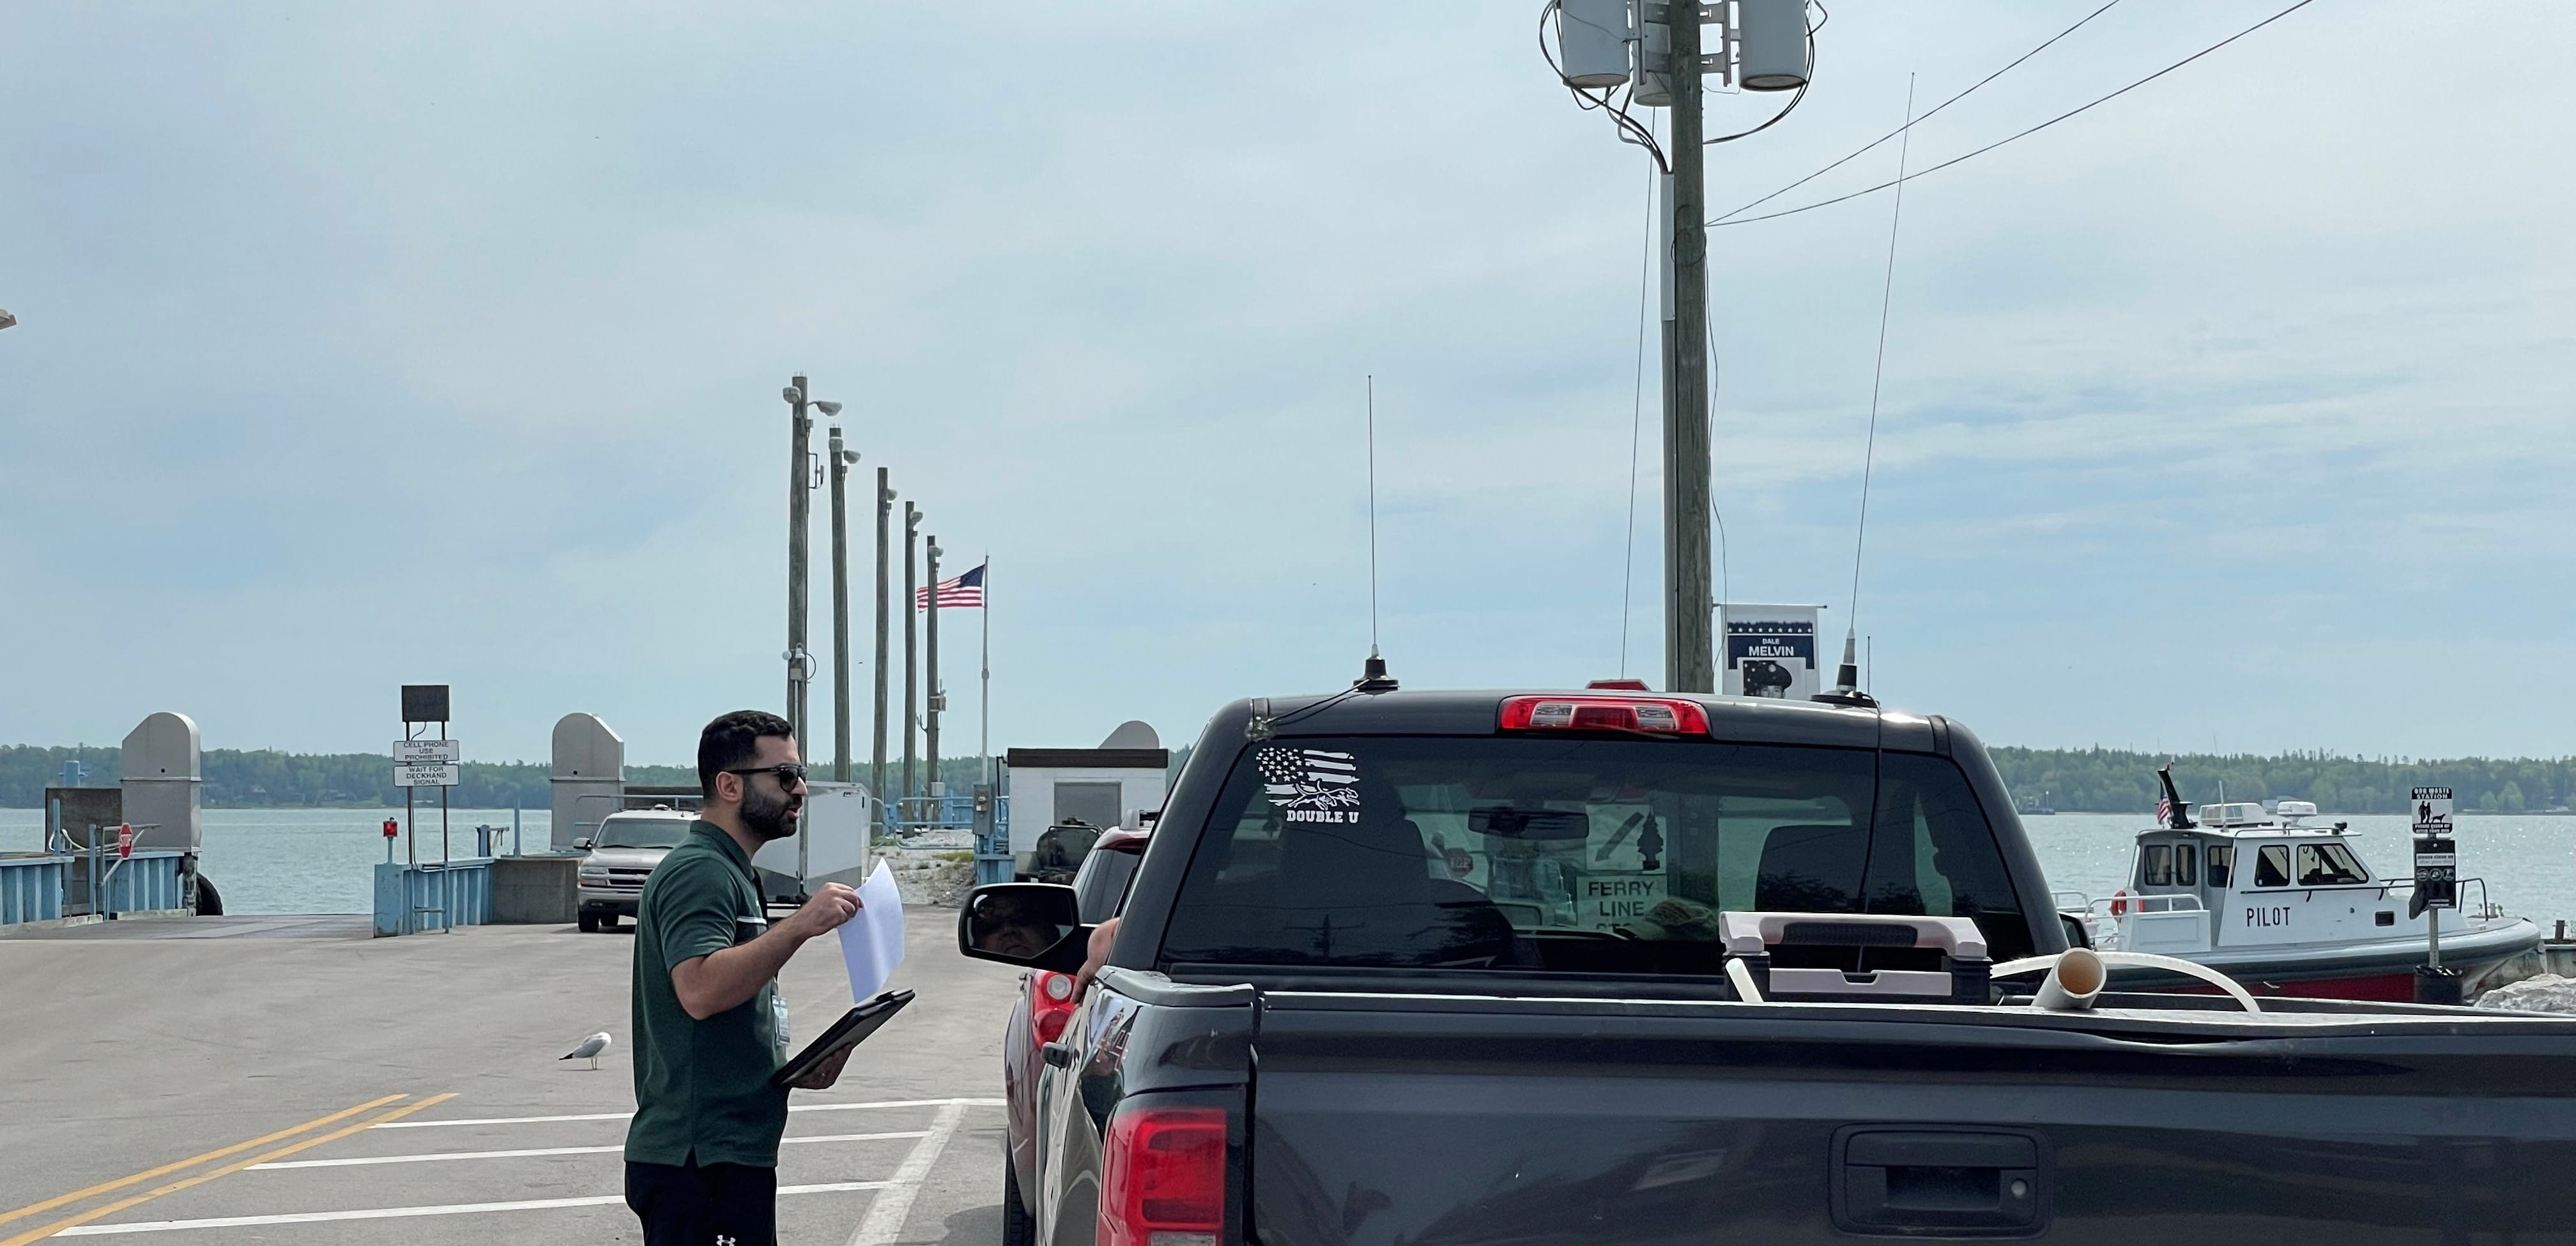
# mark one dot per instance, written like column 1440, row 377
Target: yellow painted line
column 166, row 1169
column 174, row 1187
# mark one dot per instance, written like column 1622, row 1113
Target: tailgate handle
column 1938, row 1179
column 1058, row 1054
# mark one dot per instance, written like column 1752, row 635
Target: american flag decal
column 1310, row 778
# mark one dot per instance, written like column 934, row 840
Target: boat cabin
column 2244, row 876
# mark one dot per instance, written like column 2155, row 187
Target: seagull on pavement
column 591, row 1048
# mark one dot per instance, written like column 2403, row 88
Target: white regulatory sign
column 425, row 774
column 419, row 752
column 2432, row 811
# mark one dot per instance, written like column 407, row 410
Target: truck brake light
column 1653, row 715
column 1162, row 1178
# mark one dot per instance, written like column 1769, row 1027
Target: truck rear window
column 1582, row 855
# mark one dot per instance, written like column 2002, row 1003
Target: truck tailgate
column 1445, row 1121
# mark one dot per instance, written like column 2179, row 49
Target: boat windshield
column 2328, row 865
column 2272, row 866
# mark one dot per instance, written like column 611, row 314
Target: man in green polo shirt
column 710, row 1027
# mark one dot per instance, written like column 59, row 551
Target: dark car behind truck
column 1443, row 968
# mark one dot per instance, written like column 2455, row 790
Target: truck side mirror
column 582, row 844
column 1031, row 925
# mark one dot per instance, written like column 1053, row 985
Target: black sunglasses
column 790, row 773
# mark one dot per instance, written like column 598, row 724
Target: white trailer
column 1113, row 785
column 830, row 844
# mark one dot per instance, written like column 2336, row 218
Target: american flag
column 2164, row 810
column 965, row 592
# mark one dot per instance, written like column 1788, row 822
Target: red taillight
column 1050, row 1004
column 1655, row 715
column 1162, row 1179
column 1624, row 685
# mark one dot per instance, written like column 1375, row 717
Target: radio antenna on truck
column 1373, row 676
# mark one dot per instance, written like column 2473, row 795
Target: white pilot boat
column 2289, row 907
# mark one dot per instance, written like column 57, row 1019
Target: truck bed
column 1380, row 1119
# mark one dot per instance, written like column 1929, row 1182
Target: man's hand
column 826, row 1073
column 825, row 913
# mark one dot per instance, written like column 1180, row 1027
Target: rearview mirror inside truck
column 1033, row 925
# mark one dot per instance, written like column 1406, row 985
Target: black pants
column 710, row 1205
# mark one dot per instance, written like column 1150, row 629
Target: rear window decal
column 1311, row 785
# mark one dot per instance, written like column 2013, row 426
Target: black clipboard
column 852, row 1029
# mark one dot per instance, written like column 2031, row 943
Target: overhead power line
column 2072, row 112
column 1935, row 111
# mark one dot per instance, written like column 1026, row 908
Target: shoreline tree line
column 2089, row 780
column 264, row 778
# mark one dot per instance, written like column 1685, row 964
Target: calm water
column 318, row 860
column 306, row 860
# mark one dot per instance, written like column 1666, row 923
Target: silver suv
column 626, row 849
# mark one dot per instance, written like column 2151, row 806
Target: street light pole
column 877, row 738
column 937, row 701
column 1690, row 660
column 841, row 460
column 801, row 431
column 911, row 659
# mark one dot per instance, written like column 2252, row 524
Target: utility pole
column 937, row 702
column 877, row 738
column 799, row 442
column 841, row 460
column 1690, row 663
column 911, row 659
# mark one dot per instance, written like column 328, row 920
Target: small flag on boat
column 965, row 592
column 2164, row 811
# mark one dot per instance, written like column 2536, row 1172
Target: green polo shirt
column 702, row 1091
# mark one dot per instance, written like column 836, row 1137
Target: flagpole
column 984, row 709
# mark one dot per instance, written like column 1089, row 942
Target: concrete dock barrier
column 536, row 890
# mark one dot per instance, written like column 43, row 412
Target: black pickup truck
column 1453, row 969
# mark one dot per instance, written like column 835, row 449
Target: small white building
column 1106, row 786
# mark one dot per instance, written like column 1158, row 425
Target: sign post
column 2437, row 883
column 420, row 763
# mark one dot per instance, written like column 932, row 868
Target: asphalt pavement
column 302, row 1083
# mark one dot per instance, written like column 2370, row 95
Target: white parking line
column 392, row 1213
column 365, row 1160
column 619, row 1116
column 886, row 1211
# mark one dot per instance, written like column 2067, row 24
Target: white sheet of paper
column 872, row 940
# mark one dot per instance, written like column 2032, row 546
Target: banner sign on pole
column 419, row 752
column 425, row 774
column 1770, row 651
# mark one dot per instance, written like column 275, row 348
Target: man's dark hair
column 734, row 740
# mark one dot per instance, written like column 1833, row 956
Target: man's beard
column 768, row 817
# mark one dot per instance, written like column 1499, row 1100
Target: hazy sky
column 410, row 342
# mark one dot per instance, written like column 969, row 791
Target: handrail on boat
column 2162, row 903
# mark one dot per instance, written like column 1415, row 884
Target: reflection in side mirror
column 1032, row 925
